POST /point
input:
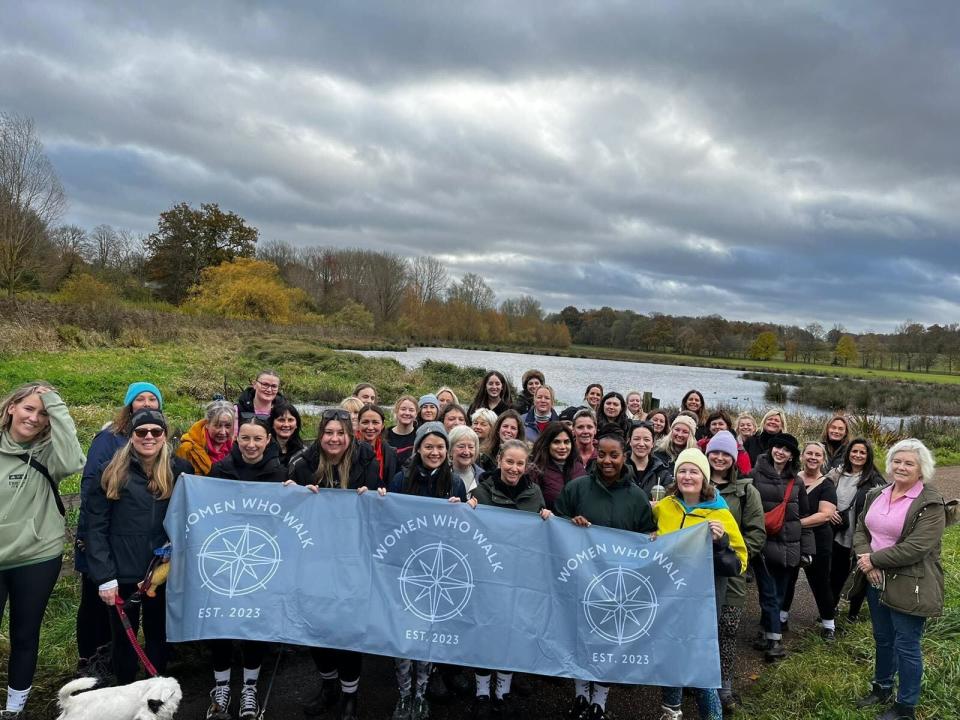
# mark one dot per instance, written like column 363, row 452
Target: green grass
column 821, row 682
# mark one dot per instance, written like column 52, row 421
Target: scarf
column 217, row 454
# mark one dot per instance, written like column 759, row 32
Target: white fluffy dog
column 153, row 699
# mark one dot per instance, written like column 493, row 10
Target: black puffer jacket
column 245, row 401
column 234, row 467
column 122, row 534
column 364, row 471
column 758, row 444
column 657, row 471
column 785, row 548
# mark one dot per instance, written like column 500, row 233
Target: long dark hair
column 324, row 474
column 702, row 412
column 868, row 466
column 282, row 408
column 540, row 455
column 621, row 420
column 444, row 476
column 482, row 400
column 495, row 434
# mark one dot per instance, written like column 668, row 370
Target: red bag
column 773, row 519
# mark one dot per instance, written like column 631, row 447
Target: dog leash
column 266, row 695
column 132, row 637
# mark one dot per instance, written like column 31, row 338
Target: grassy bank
column 821, row 682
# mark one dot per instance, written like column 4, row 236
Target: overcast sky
column 791, row 162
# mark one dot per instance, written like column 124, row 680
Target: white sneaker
column 219, row 702
column 670, row 714
column 249, row 707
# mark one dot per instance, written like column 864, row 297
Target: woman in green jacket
column 897, row 543
column 38, row 449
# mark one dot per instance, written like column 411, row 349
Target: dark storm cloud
column 795, row 162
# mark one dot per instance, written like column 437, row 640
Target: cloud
column 790, row 163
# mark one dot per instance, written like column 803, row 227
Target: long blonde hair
column 324, row 474
column 15, row 398
column 115, row 474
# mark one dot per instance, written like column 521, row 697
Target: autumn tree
column 188, row 240
column 31, row 199
column 428, row 280
column 473, row 292
column 764, row 347
column 247, row 289
column 846, row 350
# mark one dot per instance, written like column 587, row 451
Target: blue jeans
column 897, row 637
column 772, row 582
column 708, row 701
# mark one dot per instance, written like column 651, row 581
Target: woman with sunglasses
column 252, row 459
column 336, row 459
column 258, row 399
column 126, row 509
column 36, row 431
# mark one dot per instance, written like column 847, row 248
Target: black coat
column 657, row 472
column 785, row 548
column 234, row 467
column 364, row 471
column 122, row 534
column 424, row 483
column 245, row 401
column 757, row 444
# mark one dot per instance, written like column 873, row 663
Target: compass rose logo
column 238, row 560
column 620, row 605
column 436, row 582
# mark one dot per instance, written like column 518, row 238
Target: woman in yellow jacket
column 692, row 499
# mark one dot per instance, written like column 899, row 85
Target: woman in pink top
column 897, row 543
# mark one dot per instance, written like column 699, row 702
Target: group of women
column 772, row 504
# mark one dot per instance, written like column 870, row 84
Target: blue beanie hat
column 139, row 387
column 428, row 399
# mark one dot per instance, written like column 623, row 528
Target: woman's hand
column 382, row 491
column 546, row 514
column 473, row 502
column 453, row 499
column 875, row 578
column 835, row 518
column 109, row 596
column 41, row 389
column 716, row 529
column 863, row 562
column 361, row 490
column 580, row 521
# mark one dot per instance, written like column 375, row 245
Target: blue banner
column 420, row 578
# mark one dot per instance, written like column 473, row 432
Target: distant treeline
column 911, row 347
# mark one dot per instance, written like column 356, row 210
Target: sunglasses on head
column 335, row 414
column 152, row 432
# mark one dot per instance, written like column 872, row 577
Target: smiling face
column 542, row 401
column 266, row 388
column 494, row 387
column 512, row 464
column 284, row 426
column 720, row 461
column 641, row 442
column 905, row 468
column 773, row 424
column 593, row 397
column 717, row 424
column 690, row 482
column 634, row 403
column 509, row 430
column 252, row 440
column 837, row 430
column 147, row 400
column 612, row 407
column 482, row 428
column 371, row 425
column 406, row 413
column 781, row 456
column 429, row 412
column 367, row 395
column 560, row 447
column 221, row 430
column 149, row 445
column 610, row 459
column 334, row 440
column 28, row 418
column 585, row 430
column 445, row 397
column 454, row 418
column 746, row 427
column 858, row 456
column 812, row 459
column 463, row 454
column 679, row 435
column 532, row 385
column 659, row 422
column 433, row 452
column 693, row 403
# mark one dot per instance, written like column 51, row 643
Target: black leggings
column 253, row 652
column 154, row 614
column 818, row 575
column 346, row 663
column 29, row 588
column 93, row 620
column 839, row 571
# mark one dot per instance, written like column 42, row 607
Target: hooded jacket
column 656, row 472
column 530, row 424
column 31, row 526
column 785, row 548
column 364, row 470
column 493, row 491
column 122, row 534
column 234, row 467
column 746, row 507
column 673, row 514
column 623, row 505
column 912, row 573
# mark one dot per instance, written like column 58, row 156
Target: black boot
column 348, row 707
column 577, row 708
column 324, row 699
column 878, row 696
column 775, row 651
column 898, row 712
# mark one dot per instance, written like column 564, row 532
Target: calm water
column 569, row 377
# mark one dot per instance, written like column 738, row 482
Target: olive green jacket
column 912, row 574
column 745, row 505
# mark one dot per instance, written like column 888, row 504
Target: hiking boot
column 877, row 696
column 421, row 708
column 595, row 712
column 249, row 707
column 348, row 707
column 403, row 709
column 219, row 702
column 775, row 651
column 482, row 708
column 577, row 708
column 898, row 712
column 669, row 713
column 324, row 699
column 828, row 634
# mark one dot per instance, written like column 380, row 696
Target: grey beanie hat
column 430, row 428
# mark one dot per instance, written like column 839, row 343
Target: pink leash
column 132, row 637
